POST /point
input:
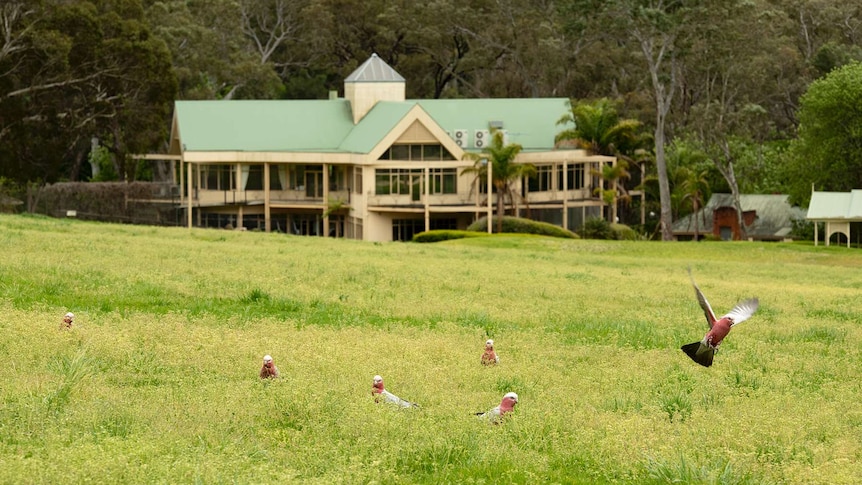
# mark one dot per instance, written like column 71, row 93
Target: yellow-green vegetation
column 157, row 381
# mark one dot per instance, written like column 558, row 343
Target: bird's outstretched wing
column 707, row 310
column 743, row 311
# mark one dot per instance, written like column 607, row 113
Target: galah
column 382, row 395
column 497, row 413
column 490, row 357
column 269, row 370
column 67, row 320
column 704, row 350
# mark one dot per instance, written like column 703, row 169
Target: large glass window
column 574, row 180
column 218, row 177
column 542, row 181
column 404, row 229
column 255, row 178
column 444, row 180
column 399, row 181
column 417, row 153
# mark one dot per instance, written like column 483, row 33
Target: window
column 444, row 180
column 417, row 153
column 218, row 177
column 357, row 179
column 397, row 181
column 255, row 178
column 574, row 180
column 542, row 181
column 404, row 229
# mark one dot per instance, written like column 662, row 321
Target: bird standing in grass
column 704, row 350
column 68, row 319
column 496, row 414
column 490, row 356
column 269, row 370
column 381, row 394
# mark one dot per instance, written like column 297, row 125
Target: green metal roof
column 268, row 126
column 835, row 205
column 327, row 125
column 374, row 126
column 530, row 122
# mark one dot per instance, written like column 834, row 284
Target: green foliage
column 623, row 232
column 597, row 228
column 445, row 235
column 826, row 153
column 518, row 225
column 719, row 472
column 101, row 158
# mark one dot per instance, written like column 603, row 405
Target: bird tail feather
column 699, row 352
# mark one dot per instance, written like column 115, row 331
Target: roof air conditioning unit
column 462, row 138
column 483, row 138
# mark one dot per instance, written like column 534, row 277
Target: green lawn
column 157, row 382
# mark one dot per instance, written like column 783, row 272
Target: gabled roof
column 774, row 213
column 835, row 205
column 530, row 122
column 374, row 126
column 327, row 125
column 265, row 126
column 374, row 70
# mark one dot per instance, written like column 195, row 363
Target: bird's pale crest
column 743, row 311
column 512, row 395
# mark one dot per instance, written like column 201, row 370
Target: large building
column 372, row 165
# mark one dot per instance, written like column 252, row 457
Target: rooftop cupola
column 373, row 81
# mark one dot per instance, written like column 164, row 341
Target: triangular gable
column 417, row 120
column 417, row 133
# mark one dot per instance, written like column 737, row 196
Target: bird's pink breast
column 719, row 330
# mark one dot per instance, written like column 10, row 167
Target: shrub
column 444, row 235
column 623, row 232
column 520, row 225
column 597, row 228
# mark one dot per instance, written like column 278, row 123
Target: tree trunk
column 726, row 170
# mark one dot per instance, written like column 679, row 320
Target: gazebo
column 837, row 210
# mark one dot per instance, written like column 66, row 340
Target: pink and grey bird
column 490, row 357
column 268, row 370
column 704, row 350
column 68, row 320
column 496, row 414
column 382, row 395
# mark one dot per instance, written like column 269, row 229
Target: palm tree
column 599, row 130
column 504, row 171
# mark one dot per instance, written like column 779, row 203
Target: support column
column 425, row 194
column 189, row 195
column 566, row 194
column 490, row 194
column 267, row 221
column 326, row 167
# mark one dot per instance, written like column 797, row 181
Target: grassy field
column 157, row 382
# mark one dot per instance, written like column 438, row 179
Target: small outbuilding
column 767, row 217
column 837, row 210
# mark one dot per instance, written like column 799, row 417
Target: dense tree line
column 718, row 84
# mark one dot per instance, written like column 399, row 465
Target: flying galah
column 496, row 414
column 703, row 351
column 381, row 394
column 490, row 357
column 269, row 370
